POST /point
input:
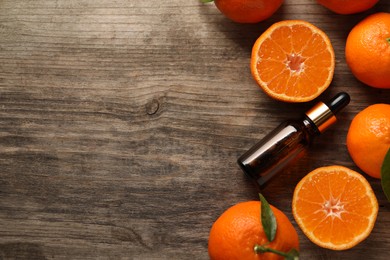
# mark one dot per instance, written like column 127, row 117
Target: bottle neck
column 321, row 116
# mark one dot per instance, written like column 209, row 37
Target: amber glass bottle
column 276, row 150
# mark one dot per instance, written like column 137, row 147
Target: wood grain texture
column 121, row 122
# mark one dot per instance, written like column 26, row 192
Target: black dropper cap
column 338, row 102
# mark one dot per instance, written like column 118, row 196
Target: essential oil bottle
column 276, row 150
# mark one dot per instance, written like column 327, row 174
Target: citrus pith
column 293, row 61
column 335, row 207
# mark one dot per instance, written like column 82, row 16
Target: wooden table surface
column 121, row 122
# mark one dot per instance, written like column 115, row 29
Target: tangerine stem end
column 291, row 255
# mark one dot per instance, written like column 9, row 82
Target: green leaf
column 385, row 175
column 206, row 1
column 268, row 219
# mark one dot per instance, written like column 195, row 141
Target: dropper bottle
column 268, row 157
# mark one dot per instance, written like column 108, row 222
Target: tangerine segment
column 293, row 61
column 335, row 207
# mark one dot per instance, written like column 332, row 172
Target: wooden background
column 121, row 122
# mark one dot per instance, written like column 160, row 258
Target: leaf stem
column 262, row 249
column 293, row 254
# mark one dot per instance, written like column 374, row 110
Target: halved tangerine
column 335, row 207
column 293, row 61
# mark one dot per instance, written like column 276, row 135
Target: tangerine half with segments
column 293, row 61
column 335, row 207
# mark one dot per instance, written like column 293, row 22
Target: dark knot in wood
column 152, row 107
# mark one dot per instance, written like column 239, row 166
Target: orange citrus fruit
column 367, row 50
column 335, row 207
column 236, row 232
column 368, row 138
column 293, row 61
column 248, row 11
column 348, row 6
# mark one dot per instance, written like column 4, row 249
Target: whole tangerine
column 238, row 230
column 248, row 11
column 367, row 50
column 368, row 138
column 348, row 6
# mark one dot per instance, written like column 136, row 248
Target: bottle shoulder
column 299, row 126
